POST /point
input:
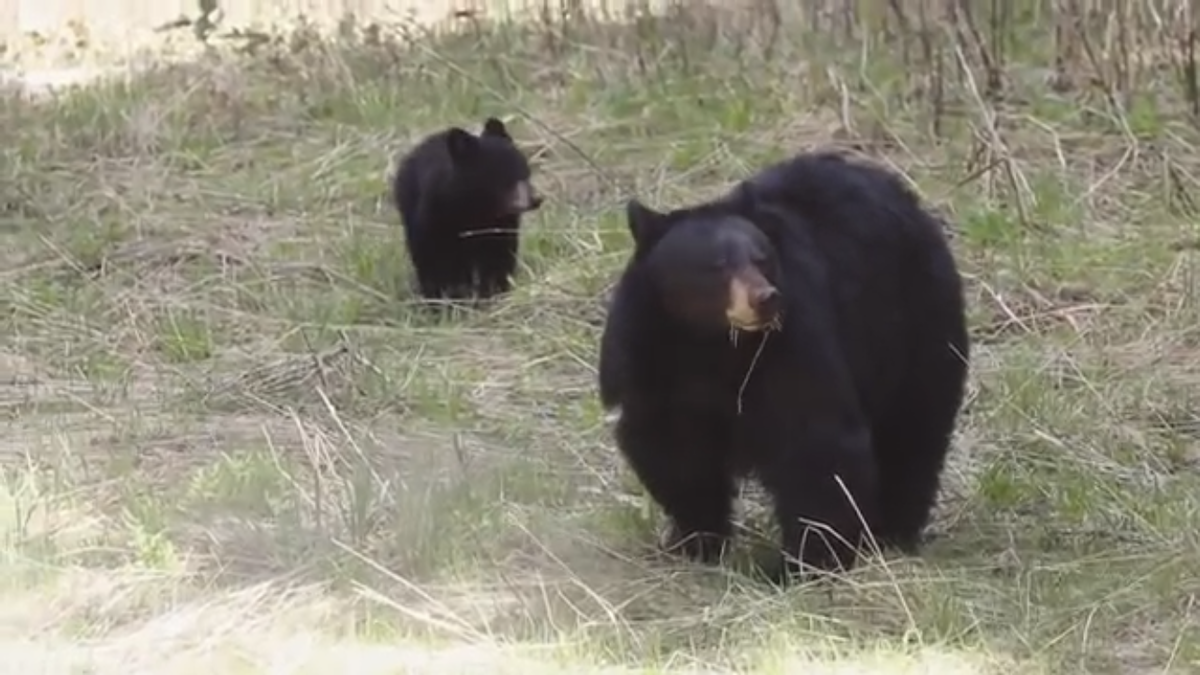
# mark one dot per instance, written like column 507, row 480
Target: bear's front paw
column 703, row 547
column 783, row 571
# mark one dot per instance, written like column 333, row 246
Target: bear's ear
column 645, row 224
column 461, row 144
column 494, row 127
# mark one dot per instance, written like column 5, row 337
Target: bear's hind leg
column 912, row 442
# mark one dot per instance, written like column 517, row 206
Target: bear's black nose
column 767, row 302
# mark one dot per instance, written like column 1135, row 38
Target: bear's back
column 884, row 261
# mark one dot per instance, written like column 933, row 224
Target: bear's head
column 711, row 267
column 490, row 168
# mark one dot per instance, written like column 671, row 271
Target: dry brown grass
column 236, row 444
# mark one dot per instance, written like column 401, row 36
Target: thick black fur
column 455, row 194
column 864, row 379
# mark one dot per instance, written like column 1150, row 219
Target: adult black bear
column 807, row 325
column 460, row 198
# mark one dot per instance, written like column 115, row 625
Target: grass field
column 236, row 445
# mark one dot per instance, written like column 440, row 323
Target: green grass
column 235, row 444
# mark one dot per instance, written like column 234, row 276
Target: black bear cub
column 807, row 329
column 461, row 198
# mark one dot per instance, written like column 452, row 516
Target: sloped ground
column 234, row 444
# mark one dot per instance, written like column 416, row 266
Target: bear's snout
column 524, row 198
column 766, row 301
column 754, row 303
